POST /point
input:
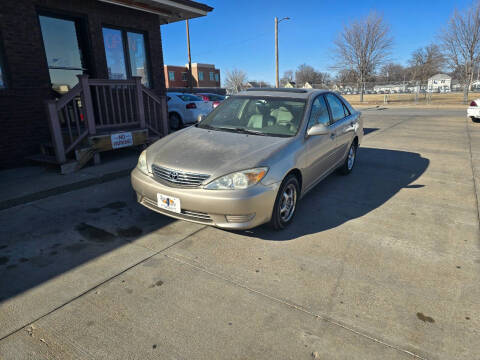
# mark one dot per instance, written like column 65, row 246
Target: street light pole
column 277, row 82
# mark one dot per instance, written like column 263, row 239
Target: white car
column 473, row 111
column 185, row 109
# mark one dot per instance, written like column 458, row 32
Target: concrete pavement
column 382, row 264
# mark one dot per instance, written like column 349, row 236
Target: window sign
column 114, row 52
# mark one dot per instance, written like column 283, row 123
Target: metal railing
column 100, row 105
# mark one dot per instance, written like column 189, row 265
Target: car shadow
column 367, row 130
column 378, row 175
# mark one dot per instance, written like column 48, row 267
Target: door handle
column 332, row 135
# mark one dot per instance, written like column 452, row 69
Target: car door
column 319, row 148
column 339, row 127
column 346, row 131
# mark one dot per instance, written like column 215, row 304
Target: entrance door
column 62, row 50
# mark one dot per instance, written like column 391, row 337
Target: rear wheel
column 285, row 203
column 349, row 163
column 175, row 121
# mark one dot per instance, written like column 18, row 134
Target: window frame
column 126, row 53
column 211, row 75
column 3, row 67
column 171, row 78
column 184, row 76
column 217, row 77
column 200, row 75
column 333, row 121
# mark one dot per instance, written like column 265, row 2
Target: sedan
column 215, row 99
column 473, row 111
column 251, row 159
column 185, row 109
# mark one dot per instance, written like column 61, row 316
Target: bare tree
column 287, row 77
column 461, row 43
column 235, row 80
column 426, row 62
column 306, row 73
column 362, row 46
column 392, row 72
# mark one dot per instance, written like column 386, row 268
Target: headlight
column 142, row 162
column 239, row 180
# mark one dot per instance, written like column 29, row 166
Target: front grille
column 177, row 177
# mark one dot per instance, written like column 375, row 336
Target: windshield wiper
column 248, row 131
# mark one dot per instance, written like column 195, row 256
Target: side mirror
column 318, row 129
column 201, row 117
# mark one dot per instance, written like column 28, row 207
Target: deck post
column 87, row 104
column 56, row 131
column 139, row 98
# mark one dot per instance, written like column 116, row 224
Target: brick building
column 203, row 76
column 45, row 44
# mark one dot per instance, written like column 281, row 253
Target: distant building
column 290, row 84
column 390, row 88
column 203, row 75
column 439, row 83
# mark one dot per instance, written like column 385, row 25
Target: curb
column 6, row 204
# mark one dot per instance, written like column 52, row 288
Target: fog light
column 239, row 218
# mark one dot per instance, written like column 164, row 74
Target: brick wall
column 23, row 124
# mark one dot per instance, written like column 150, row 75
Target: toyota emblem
column 173, row 175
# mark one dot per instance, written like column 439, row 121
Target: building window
column 211, row 76
column 122, row 62
column 184, row 76
column 62, row 49
column 217, row 77
column 200, row 75
column 171, row 75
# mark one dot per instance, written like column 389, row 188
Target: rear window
column 188, row 97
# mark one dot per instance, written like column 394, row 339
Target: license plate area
column 169, row 203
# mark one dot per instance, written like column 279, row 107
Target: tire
column 290, row 189
column 175, row 121
column 350, row 160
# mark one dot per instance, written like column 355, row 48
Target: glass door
column 62, row 49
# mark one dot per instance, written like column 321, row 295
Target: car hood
column 213, row 152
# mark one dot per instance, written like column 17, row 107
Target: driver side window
column 319, row 113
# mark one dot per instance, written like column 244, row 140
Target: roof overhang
column 168, row 10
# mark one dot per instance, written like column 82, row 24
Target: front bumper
column 227, row 209
column 473, row 112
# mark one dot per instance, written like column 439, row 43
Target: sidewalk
column 29, row 183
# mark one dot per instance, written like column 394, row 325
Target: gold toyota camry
column 251, row 159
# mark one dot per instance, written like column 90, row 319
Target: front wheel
column 349, row 163
column 285, row 203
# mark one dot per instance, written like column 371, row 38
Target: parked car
column 473, row 111
column 251, row 159
column 215, row 99
column 185, row 109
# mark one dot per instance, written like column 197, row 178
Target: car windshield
column 257, row 115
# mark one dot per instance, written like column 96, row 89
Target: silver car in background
column 251, row 159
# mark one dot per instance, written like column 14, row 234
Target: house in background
column 290, row 84
column 78, row 74
column 439, row 83
column 203, row 76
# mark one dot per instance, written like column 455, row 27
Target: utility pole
column 277, row 83
column 190, row 79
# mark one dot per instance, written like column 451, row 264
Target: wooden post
column 165, row 124
column 139, row 99
column 87, row 104
column 56, row 131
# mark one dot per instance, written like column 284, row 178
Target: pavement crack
column 85, row 292
column 323, row 317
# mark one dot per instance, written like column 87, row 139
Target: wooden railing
column 98, row 105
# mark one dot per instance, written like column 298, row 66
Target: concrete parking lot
column 381, row 264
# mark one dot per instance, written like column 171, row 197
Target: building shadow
column 378, row 175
